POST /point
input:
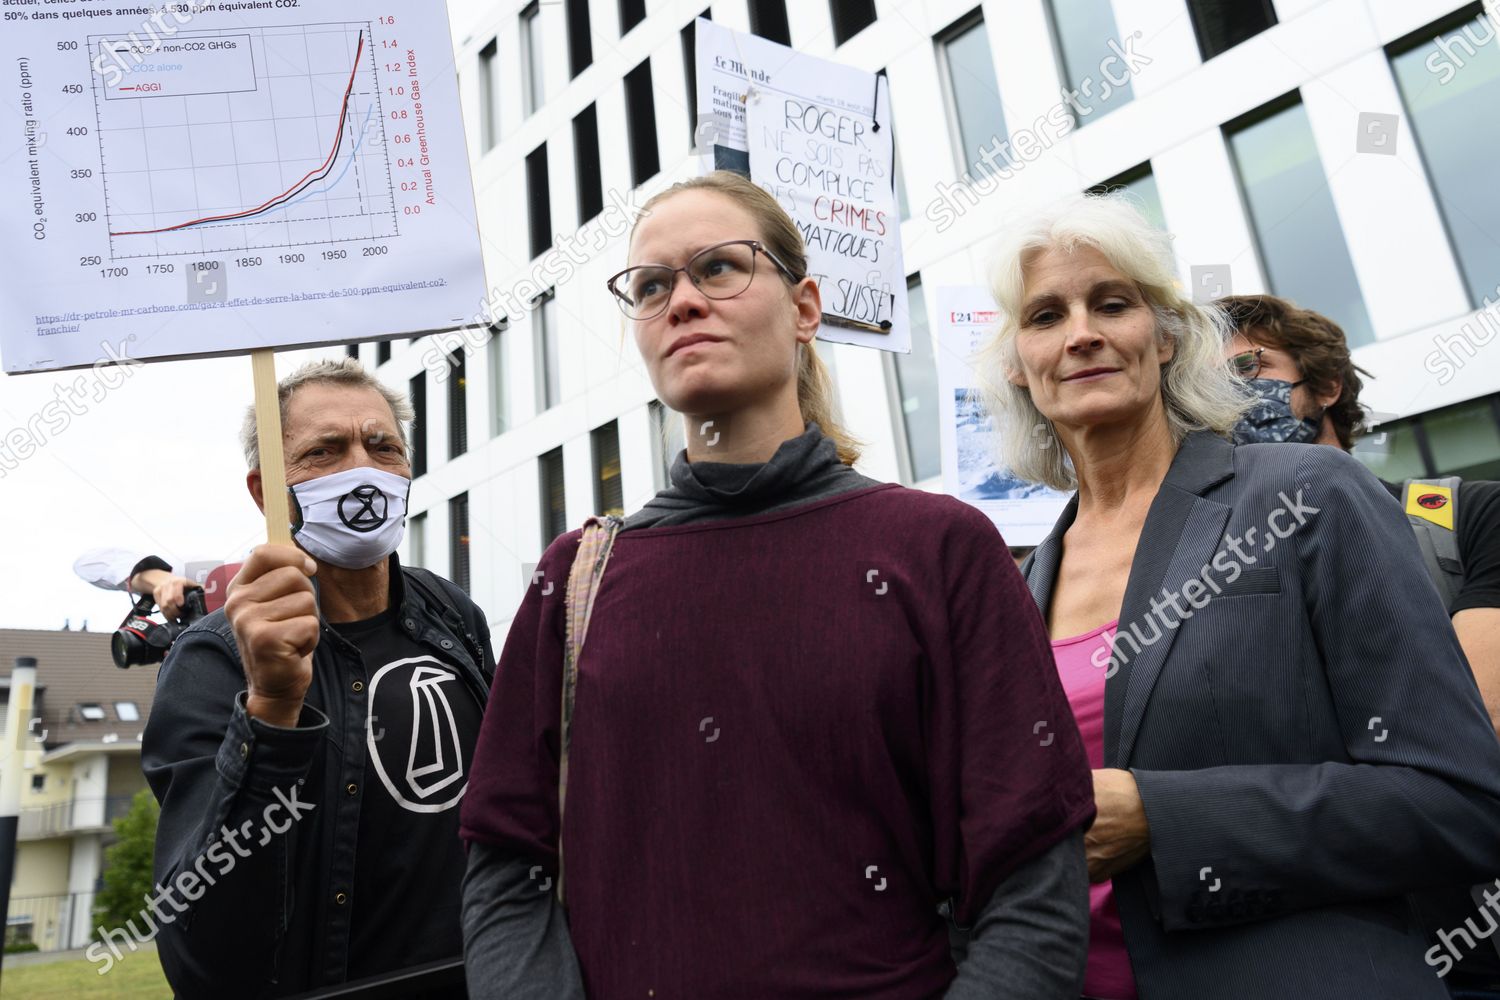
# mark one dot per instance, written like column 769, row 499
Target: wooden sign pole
column 272, row 462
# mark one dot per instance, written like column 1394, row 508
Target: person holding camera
column 139, row 574
column 310, row 742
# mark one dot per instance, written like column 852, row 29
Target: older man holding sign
column 340, row 686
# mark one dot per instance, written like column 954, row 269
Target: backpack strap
column 584, row 578
column 1431, row 507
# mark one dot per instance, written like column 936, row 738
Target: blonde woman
column 1285, row 736
column 811, row 710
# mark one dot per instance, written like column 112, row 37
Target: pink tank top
column 1109, row 975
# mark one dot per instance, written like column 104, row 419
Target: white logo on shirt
column 432, row 715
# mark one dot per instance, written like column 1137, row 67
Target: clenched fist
column 274, row 613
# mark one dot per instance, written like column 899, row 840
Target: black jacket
column 275, row 920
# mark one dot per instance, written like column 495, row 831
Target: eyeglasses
column 1247, row 365
column 721, row 271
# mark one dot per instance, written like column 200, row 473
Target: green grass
column 137, row 976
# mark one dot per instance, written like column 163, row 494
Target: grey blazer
column 1308, row 739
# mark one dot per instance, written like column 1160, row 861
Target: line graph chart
column 246, row 139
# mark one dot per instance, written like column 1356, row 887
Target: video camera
column 140, row 639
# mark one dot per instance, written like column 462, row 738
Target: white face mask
column 351, row 519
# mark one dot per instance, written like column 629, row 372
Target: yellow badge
column 1431, row 503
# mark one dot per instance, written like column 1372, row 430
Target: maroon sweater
column 795, row 734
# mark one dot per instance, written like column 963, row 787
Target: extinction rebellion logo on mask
column 417, row 749
column 363, row 508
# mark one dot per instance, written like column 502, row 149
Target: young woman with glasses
column 814, row 713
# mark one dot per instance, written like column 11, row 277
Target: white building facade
column 1339, row 153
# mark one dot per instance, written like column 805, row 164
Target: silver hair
column 1198, row 390
column 342, row 371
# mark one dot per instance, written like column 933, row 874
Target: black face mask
column 1271, row 420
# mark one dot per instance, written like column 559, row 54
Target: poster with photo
column 1024, row 512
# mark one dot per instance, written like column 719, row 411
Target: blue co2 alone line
column 353, row 152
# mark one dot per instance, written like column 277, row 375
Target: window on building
column 850, row 17
column 1465, row 440
column 768, row 20
column 640, row 124
column 1139, row 183
column 1085, row 30
column 1223, row 24
column 1302, row 249
column 667, row 440
column 538, row 200
column 458, row 541
column 418, row 535
column 127, row 711
column 609, row 494
column 580, row 42
column 533, row 82
column 690, row 64
column 499, row 371
column 352, row 350
column 382, row 352
column 586, row 164
column 545, row 346
column 916, row 383
column 38, row 782
column 1462, row 440
column 91, row 711
column 974, row 108
column 1449, row 77
column 632, row 12
column 458, row 403
column 417, row 393
column 554, row 496
column 489, row 95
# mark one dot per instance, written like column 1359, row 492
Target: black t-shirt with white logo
column 409, row 861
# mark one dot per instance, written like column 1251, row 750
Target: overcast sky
column 154, row 465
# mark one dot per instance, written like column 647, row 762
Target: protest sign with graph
column 301, row 166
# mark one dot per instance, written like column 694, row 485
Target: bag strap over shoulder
column 584, row 579
column 1431, row 507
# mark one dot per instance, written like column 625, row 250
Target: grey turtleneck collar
column 805, row 468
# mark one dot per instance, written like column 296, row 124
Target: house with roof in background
column 82, row 762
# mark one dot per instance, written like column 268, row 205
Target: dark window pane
column 917, row 387
column 382, row 352
column 1465, row 440
column 1223, row 24
column 458, row 540
column 690, row 62
column 850, row 17
column 1392, row 452
column 609, row 495
column 1084, row 30
column 554, row 499
column 768, row 20
column 580, row 45
column 499, row 398
column 539, row 200
column 532, row 79
column 489, row 96
column 632, row 12
column 352, row 350
column 1302, row 247
column 640, row 124
column 458, row 406
column 1451, row 86
column 417, row 392
column 1140, row 184
column 973, row 91
column 586, row 164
